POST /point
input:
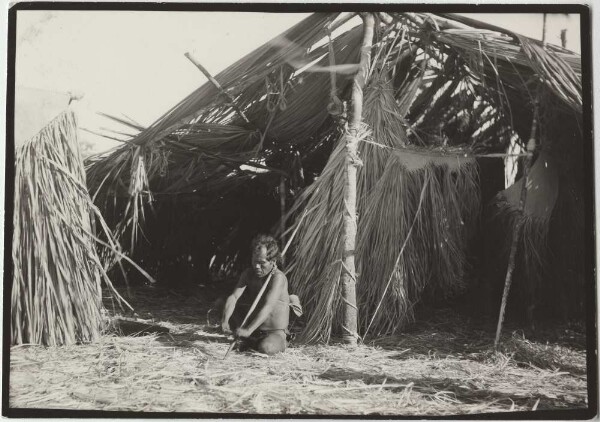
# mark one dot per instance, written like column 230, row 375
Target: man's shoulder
column 280, row 275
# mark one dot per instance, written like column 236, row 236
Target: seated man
column 266, row 328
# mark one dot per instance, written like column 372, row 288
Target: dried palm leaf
column 57, row 272
column 438, row 196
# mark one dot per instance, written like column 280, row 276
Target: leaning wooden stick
column 264, row 287
column 517, row 227
column 258, row 296
column 217, row 85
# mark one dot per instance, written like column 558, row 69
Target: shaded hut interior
column 449, row 103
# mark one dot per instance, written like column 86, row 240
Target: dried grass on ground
column 439, row 367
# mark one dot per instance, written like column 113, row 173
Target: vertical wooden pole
column 348, row 276
column 544, row 31
column 282, row 209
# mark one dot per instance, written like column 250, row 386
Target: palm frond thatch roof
column 474, row 60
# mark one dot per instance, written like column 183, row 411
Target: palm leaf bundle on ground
column 56, row 288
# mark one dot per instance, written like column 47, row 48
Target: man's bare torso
column 278, row 319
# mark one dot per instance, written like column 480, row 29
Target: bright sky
column 133, row 63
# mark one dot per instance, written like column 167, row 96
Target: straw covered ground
column 441, row 366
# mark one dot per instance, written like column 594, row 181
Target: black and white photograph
column 299, row 210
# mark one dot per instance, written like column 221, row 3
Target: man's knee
column 272, row 344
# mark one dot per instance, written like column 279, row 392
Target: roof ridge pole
column 349, row 229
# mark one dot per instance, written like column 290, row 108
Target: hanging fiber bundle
column 383, row 115
column 413, row 233
column 56, row 291
column 435, row 194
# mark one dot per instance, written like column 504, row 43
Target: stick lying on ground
column 264, row 287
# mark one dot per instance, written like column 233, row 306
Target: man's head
column 265, row 254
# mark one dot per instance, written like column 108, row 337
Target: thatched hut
column 264, row 143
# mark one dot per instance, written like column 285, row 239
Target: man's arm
column 231, row 302
column 272, row 295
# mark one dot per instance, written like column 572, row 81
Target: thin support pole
column 282, row 210
column 544, row 30
column 218, row 86
column 518, row 224
column 348, row 276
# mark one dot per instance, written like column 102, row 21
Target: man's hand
column 242, row 332
column 225, row 327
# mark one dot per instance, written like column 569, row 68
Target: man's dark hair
column 270, row 245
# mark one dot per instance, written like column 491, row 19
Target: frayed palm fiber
column 512, row 58
column 438, row 197
column 56, row 290
column 193, row 159
column 383, row 115
column 542, row 194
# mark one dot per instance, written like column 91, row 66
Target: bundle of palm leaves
column 413, row 234
column 385, row 118
column 57, row 272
